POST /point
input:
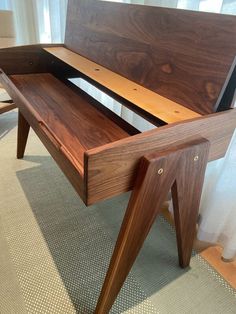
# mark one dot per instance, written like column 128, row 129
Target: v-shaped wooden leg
column 184, row 167
column 186, row 195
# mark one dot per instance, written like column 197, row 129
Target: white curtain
column 44, row 21
column 218, row 205
column 37, row 20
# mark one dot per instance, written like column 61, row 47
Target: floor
column 212, row 254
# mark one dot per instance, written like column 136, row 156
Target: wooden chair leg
column 156, row 175
column 22, row 136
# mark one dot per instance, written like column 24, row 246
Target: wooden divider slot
column 153, row 103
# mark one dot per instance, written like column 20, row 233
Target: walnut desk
column 175, row 68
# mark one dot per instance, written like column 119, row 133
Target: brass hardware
column 196, row 158
column 160, row 171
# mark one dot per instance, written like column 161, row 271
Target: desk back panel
column 182, row 55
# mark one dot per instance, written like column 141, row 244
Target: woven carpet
column 54, row 251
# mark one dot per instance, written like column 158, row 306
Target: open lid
column 185, row 56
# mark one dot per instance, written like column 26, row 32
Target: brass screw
column 196, row 158
column 160, row 171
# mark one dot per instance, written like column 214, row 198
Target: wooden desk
column 146, row 58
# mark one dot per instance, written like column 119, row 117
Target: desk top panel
column 182, row 55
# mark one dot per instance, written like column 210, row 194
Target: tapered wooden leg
column 156, row 175
column 186, row 195
column 22, row 136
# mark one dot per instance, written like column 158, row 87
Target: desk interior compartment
column 68, row 121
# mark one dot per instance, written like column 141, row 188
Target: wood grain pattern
column 182, row 55
column 186, row 196
column 122, row 157
column 74, row 173
column 180, row 170
column 64, row 71
column 124, row 125
column 67, row 117
column 152, row 103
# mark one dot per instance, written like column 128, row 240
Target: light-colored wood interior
column 153, row 103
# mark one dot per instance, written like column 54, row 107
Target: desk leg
column 184, row 169
column 22, row 136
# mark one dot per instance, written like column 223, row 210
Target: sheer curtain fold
column 38, row 20
column 218, row 204
column 52, row 17
column 26, row 21
column 44, row 21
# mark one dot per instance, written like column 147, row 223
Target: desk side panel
column 35, row 120
column 111, row 169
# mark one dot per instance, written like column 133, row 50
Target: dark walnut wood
column 58, row 113
column 184, row 169
column 122, row 157
column 68, row 165
column 65, row 118
column 25, row 59
column 67, row 121
column 66, row 115
column 182, row 55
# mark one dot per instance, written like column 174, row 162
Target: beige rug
column 54, row 251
